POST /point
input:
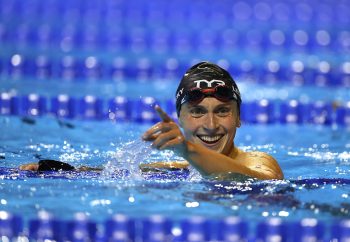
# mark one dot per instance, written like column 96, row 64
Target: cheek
column 230, row 125
column 232, row 132
column 189, row 125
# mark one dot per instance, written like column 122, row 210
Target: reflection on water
column 315, row 162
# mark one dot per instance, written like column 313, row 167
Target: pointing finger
column 163, row 115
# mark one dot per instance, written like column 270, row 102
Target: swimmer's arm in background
column 167, row 135
column 54, row 165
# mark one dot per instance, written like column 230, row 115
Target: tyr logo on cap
column 209, row 84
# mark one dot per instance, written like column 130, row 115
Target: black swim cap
column 205, row 75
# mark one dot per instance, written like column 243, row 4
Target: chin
column 224, row 147
column 220, row 150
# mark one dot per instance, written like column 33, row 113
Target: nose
column 211, row 122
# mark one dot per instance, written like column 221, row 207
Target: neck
column 234, row 152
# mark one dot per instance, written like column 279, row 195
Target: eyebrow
column 224, row 105
column 218, row 106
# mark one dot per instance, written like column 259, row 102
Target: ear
column 238, row 122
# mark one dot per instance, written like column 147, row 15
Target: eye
column 197, row 111
column 223, row 111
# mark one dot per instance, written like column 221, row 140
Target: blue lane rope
column 141, row 110
column 120, row 227
column 268, row 72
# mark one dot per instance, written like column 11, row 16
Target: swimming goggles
column 221, row 92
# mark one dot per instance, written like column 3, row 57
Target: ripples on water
column 304, row 152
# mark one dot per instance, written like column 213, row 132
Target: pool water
column 59, row 59
column 304, row 152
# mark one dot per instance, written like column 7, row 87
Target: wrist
column 187, row 149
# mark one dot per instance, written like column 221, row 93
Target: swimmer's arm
column 254, row 164
column 164, row 165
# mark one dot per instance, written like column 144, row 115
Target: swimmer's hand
column 165, row 134
column 47, row 165
column 29, row 167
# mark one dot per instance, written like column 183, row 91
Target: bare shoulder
column 258, row 155
column 262, row 161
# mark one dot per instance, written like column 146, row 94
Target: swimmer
column 208, row 107
column 55, row 165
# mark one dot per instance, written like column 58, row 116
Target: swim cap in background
column 54, row 165
column 205, row 76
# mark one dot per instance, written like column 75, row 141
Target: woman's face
column 211, row 123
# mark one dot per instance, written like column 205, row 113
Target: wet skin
column 211, row 123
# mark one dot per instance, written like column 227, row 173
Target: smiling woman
column 211, row 123
column 208, row 106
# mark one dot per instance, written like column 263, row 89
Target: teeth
column 210, row 138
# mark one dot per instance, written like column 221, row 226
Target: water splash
column 131, row 154
column 128, row 156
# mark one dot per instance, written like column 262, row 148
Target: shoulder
column 258, row 155
column 258, row 160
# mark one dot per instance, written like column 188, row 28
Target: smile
column 210, row 139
